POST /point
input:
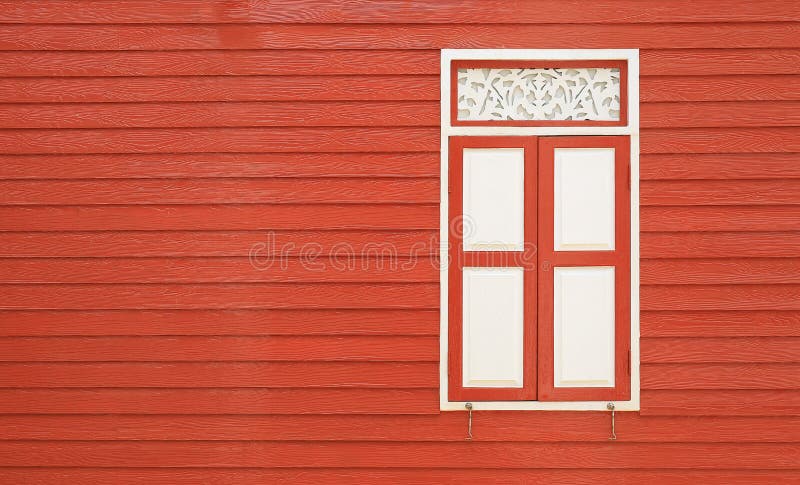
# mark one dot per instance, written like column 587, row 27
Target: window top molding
column 550, row 98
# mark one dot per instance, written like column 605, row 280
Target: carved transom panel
column 539, row 94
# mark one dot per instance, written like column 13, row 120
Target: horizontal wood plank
column 220, row 165
column 710, row 218
column 720, row 297
column 219, row 401
column 221, row 191
column 718, row 192
column 750, row 87
column 226, row 140
column 298, row 217
column 378, row 455
column 228, row 348
column 363, row 11
column 721, row 140
column 720, row 350
column 717, row 271
column 720, row 323
column 341, row 268
column 719, row 166
column 51, row 323
column 720, row 402
column 229, row 114
column 655, row 245
column 263, row 246
column 219, row 88
column 397, row 36
column 736, row 376
column 505, row 426
column 220, row 375
column 221, row 296
column 718, row 114
column 424, row 476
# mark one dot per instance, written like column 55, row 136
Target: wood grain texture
column 721, row 140
column 229, row 114
column 220, row 165
column 396, row 36
column 717, row 192
column 392, row 11
column 719, row 114
column 226, row 140
column 420, row 476
column 264, row 246
column 505, row 426
column 718, row 271
column 720, row 350
column 218, row 401
column 220, row 296
column 711, row 218
column 228, row 348
column 721, row 402
column 720, row 297
column 755, row 87
column 340, row 268
column 221, row 191
column 377, row 455
column 721, row 376
column 217, row 217
column 47, row 323
column 722, row 323
column 219, row 88
column 364, row 375
column 655, row 245
column 719, row 166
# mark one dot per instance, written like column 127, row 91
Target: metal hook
column 610, row 406
column 469, row 423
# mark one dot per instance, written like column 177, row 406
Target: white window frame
column 631, row 130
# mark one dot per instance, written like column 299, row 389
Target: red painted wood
column 423, row 476
column 218, row 401
column 506, row 426
column 720, row 323
column 719, row 271
column 220, row 296
column 461, row 258
column 456, row 65
column 396, row 36
column 262, row 244
column 721, row 376
column 619, row 258
column 655, row 245
column 719, row 166
column 41, row 323
column 220, row 165
column 202, row 140
column 230, row 217
column 170, row 115
column 710, row 349
column 364, row 11
column 222, row 375
column 720, row 88
column 272, row 348
column 721, row 402
column 219, row 88
column 340, row 268
column 221, row 191
column 719, row 114
column 778, row 456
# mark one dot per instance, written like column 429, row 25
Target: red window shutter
column 519, row 261
column 577, row 320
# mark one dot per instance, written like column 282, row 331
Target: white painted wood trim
column 632, row 129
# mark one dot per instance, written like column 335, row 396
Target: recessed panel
column 494, row 199
column 583, row 199
column 583, row 320
column 493, row 327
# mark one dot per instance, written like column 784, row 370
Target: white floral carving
column 539, row 94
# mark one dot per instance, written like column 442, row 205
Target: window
column 539, row 216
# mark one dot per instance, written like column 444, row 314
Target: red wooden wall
column 147, row 146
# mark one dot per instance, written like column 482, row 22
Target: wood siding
column 148, row 147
